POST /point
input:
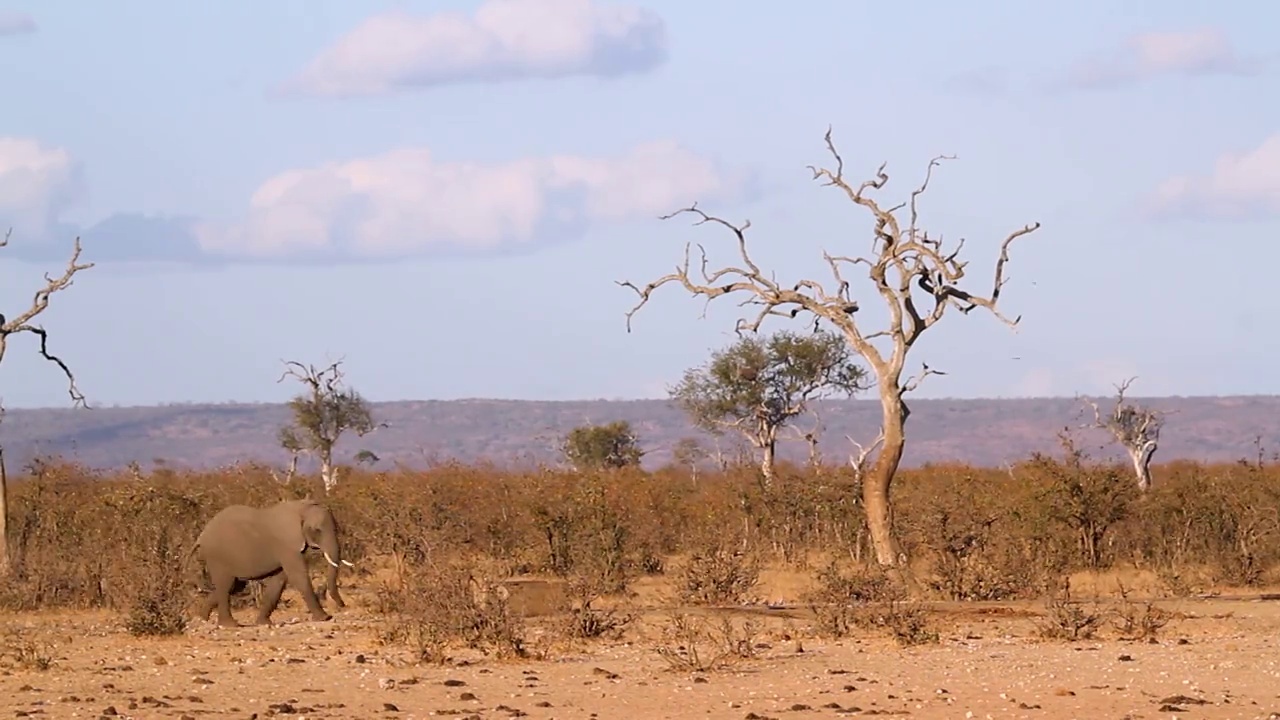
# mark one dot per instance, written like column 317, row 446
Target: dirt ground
column 1219, row 659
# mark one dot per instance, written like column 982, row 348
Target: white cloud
column 1240, row 185
column 406, row 201
column 16, row 24
column 36, row 183
column 502, row 40
column 1202, row 51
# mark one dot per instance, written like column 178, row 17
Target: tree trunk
column 5, row 564
column 877, row 482
column 768, row 451
column 328, row 473
column 815, row 459
column 1141, row 458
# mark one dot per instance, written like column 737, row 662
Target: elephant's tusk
column 326, row 557
column 347, row 563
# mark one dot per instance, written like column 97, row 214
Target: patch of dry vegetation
column 445, row 543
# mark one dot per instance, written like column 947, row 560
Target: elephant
column 242, row 543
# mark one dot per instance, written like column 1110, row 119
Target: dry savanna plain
column 1049, row 589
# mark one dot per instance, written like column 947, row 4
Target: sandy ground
column 1220, row 659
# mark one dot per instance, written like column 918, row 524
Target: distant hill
column 983, row 432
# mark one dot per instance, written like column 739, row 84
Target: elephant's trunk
column 333, row 556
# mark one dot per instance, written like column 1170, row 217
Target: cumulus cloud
column 37, row 183
column 16, row 24
column 1144, row 56
column 406, row 202
column 1241, row 185
column 503, row 40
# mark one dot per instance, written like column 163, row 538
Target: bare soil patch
column 1217, row 659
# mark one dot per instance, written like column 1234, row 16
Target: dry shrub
column 1138, row 621
column 587, row 529
column 583, row 620
column 701, row 644
column 842, row 601
column 20, row 651
column 1067, row 619
column 719, row 571
column 151, row 584
column 434, row 606
column 979, row 545
column 866, row 599
column 158, row 605
column 1089, row 501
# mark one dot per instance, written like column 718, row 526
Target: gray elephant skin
column 242, row 543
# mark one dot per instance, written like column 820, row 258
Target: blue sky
column 443, row 193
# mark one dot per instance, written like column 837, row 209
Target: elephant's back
column 228, row 517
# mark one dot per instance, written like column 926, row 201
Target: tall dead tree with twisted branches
column 913, row 274
column 1134, row 428
column 24, row 322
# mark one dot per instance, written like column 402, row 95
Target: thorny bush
column 81, row 538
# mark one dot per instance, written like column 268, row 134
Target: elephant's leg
column 337, row 599
column 271, row 589
column 207, row 605
column 295, row 567
column 223, row 582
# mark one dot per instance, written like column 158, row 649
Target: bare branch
column 914, row 381
column 293, row 470
column 859, row 460
column 39, row 302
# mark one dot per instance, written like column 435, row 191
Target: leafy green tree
column 599, row 447
column 321, row 415
column 759, row 384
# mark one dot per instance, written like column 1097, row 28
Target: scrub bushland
column 82, row 538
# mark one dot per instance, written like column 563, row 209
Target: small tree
column 320, row 417
column 689, row 453
column 757, row 385
column 600, row 447
column 913, row 274
column 23, row 324
column 1134, row 428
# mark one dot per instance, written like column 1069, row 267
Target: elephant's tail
column 201, row 579
column 186, row 559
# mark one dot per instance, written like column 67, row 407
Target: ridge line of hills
column 987, row 432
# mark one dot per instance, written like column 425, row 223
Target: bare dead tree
column 1134, row 428
column 911, row 271
column 858, row 459
column 24, row 323
column 321, row 415
column 289, row 472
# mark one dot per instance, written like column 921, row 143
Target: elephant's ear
column 294, row 533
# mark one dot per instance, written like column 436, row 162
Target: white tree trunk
column 5, row 565
column 1141, row 458
column 328, row 473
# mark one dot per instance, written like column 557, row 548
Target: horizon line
column 261, row 403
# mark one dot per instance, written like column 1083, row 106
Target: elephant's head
column 320, row 531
